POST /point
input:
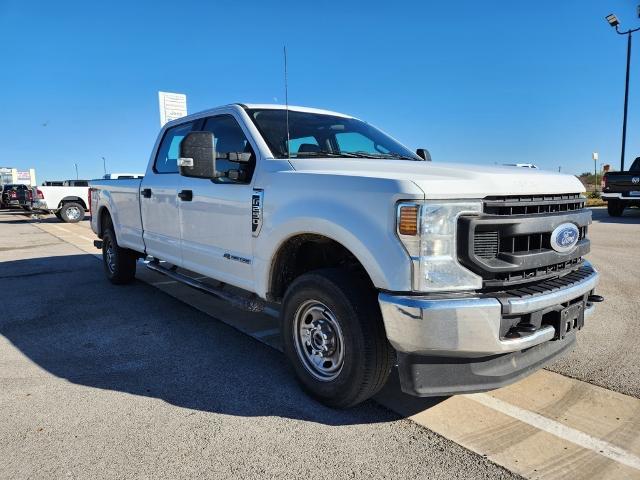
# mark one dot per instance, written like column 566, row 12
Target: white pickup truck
column 68, row 201
column 466, row 277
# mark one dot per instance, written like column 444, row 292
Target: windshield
column 319, row 135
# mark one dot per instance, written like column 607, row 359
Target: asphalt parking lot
column 155, row 380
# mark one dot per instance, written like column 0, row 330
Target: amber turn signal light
column 408, row 220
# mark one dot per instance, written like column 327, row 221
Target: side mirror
column 198, row 155
column 424, row 154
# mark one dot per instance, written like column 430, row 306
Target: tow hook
column 595, row 298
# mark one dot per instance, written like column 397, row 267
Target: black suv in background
column 16, row 195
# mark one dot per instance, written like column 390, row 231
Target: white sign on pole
column 172, row 106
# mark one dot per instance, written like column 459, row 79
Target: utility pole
column 594, row 155
column 615, row 23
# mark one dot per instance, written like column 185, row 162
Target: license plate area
column 568, row 319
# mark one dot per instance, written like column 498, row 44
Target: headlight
column 433, row 248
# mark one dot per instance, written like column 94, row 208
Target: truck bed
column 123, row 197
column 621, row 182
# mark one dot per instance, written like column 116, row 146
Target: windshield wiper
column 324, row 153
column 383, row 155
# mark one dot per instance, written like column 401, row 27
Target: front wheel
column 615, row 208
column 119, row 263
column 334, row 337
column 72, row 212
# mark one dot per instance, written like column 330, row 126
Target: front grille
column 548, row 286
column 510, row 243
column 486, row 244
column 490, row 244
column 533, row 204
column 546, row 271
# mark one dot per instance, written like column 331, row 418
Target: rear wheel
column 615, row 208
column 71, row 212
column 334, row 337
column 119, row 263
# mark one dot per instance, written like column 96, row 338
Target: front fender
column 369, row 237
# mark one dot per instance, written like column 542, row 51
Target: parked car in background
column 622, row 189
column 16, row 195
column 115, row 176
column 67, row 202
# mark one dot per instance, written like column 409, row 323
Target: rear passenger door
column 159, row 198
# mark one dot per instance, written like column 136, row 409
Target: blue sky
column 472, row 81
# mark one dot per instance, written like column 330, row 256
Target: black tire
column 367, row 355
column 71, row 212
column 57, row 214
column 119, row 263
column 615, row 208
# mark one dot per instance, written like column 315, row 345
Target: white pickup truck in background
column 68, row 201
column 466, row 277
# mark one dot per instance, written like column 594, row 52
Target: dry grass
column 596, row 202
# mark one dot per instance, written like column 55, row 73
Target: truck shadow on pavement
column 631, row 216
column 20, row 217
column 68, row 319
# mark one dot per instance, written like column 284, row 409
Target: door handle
column 185, row 195
column 146, row 192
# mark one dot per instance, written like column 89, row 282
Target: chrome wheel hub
column 318, row 340
column 73, row 213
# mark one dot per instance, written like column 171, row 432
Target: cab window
column 169, row 151
column 229, row 138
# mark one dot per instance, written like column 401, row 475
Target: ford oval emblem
column 565, row 237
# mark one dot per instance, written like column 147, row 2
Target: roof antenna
column 286, row 101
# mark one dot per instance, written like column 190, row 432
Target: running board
column 250, row 304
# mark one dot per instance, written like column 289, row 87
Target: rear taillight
column 39, row 194
column 13, row 194
column 603, row 184
column 89, row 199
column 29, row 195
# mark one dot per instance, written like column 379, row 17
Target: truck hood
column 450, row 180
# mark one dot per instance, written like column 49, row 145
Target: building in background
column 14, row 175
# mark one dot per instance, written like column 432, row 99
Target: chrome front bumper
column 469, row 327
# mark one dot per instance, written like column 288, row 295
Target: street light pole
column 104, row 166
column 76, row 165
column 614, row 22
column 626, row 100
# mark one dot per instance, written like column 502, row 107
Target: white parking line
column 569, row 434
